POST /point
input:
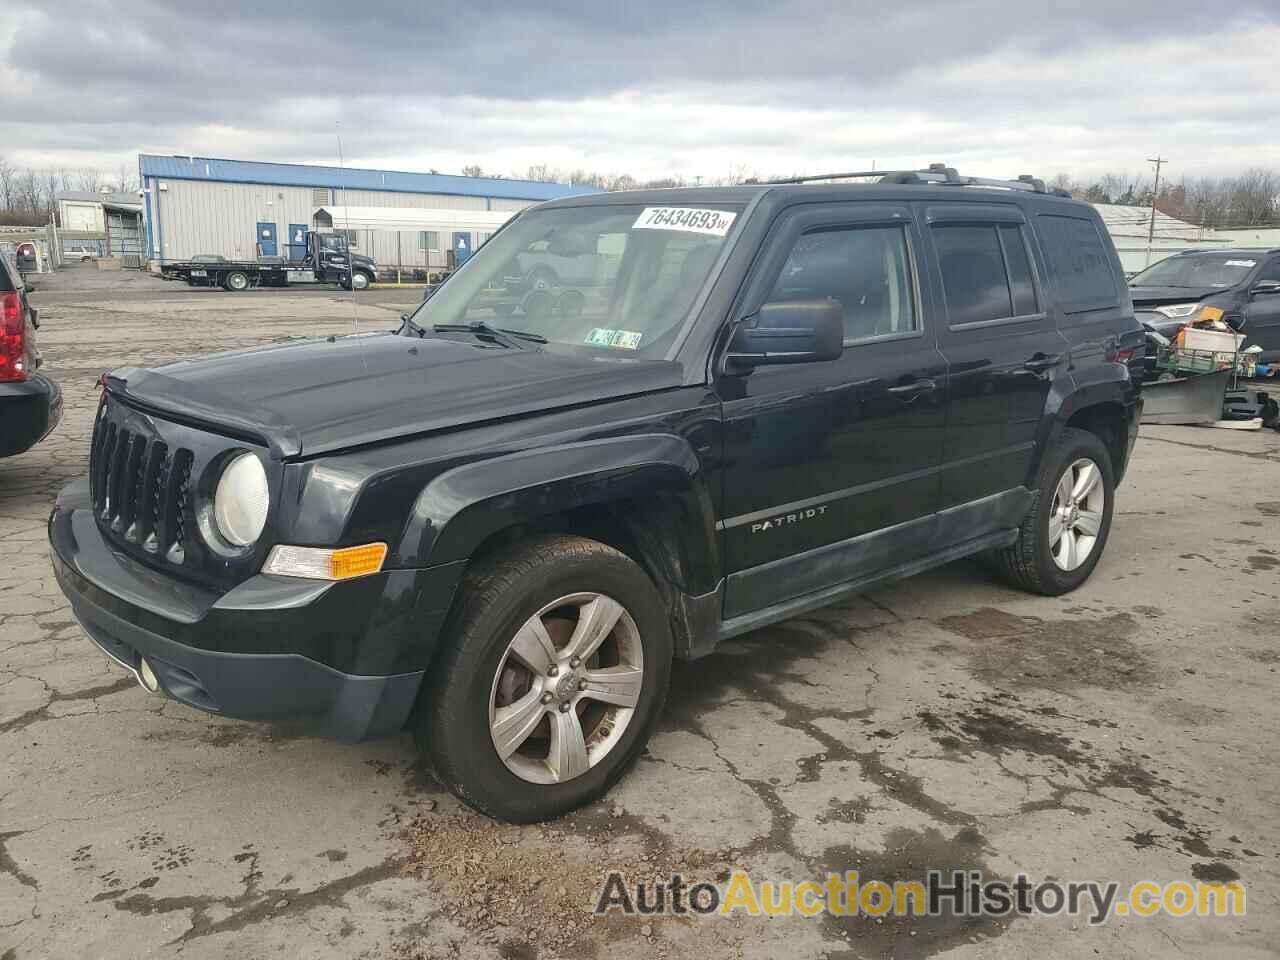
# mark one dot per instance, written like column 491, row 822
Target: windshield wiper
column 509, row 338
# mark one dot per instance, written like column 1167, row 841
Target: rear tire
column 1065, row 531
column 236, row 281
column 481, row 686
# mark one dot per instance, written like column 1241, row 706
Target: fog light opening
column 147, row 677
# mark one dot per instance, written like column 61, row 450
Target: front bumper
column 236, row 653
column 29, row 410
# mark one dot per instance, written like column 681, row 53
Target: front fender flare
column 459, row 509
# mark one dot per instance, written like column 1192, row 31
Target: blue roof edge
column 216, row 170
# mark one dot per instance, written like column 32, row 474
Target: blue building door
column 461, row 247
column 266, row 239
column 297, row 244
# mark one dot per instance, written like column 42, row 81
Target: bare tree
column 472, row 170
column 1063, row 181
column 8, row 176
column 29, row 192
column 1255, row 197
column 89, row 180
column 126, row 179
column 53, row 183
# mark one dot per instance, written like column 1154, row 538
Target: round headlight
column 241, row 500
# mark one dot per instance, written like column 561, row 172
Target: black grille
column 141, row 488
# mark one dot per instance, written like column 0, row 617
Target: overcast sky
column 649, row 87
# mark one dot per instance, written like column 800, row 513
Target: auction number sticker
column 622, row 339
column 713, row 223
column 1241, row 263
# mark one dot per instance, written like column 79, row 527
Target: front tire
column 552, row 677
column 359, row 281
column 1065, row 531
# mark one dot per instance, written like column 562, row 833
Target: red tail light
column 1125, row 354
column 13, row 329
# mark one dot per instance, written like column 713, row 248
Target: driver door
column 831, row 468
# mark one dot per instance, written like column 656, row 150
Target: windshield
column 1209, row 270
column 603, row 279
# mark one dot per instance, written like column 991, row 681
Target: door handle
column 914, row 389
column 1039, row 364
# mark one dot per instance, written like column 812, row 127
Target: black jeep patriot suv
column 502, row 521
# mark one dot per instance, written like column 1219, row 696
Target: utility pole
column 1159, row 161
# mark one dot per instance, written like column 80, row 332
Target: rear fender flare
column 1110, row 384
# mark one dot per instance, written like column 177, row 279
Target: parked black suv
column 30, row 403
column 1241, row 287
column 507, row 526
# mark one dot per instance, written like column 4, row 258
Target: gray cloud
column 650, row 87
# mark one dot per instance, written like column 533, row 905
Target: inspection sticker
column 1241, row 263
column 714, row 223
column 623, row 339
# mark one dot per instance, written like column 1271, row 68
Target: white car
column 83, row 254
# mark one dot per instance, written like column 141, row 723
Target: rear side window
column 1079, row 263
column 986, row 273
column 1019, row 266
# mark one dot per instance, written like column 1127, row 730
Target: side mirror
column 789, row 331
column 1265, row 287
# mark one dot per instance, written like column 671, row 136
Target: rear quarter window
column 1078, row 261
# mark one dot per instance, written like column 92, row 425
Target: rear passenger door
column 1003, row 350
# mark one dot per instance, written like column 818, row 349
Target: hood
column 319, row 396
column 1144, row 296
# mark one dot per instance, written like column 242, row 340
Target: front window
column 1209, row 270
column 617, row 279
column 333, row 243
column 867, row 270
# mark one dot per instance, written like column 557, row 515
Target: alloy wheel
column 566, row 688
column 1075, row 519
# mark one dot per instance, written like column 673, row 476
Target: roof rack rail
column 936, row 174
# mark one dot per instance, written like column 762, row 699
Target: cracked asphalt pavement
column 1127, row 731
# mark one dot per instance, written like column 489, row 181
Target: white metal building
column 112, row 221
column 1130, row 226
column 1249, row 236
column 244, row 210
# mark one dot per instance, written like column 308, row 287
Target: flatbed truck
column 327, row 260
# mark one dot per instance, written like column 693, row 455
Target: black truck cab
column 500, row 525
